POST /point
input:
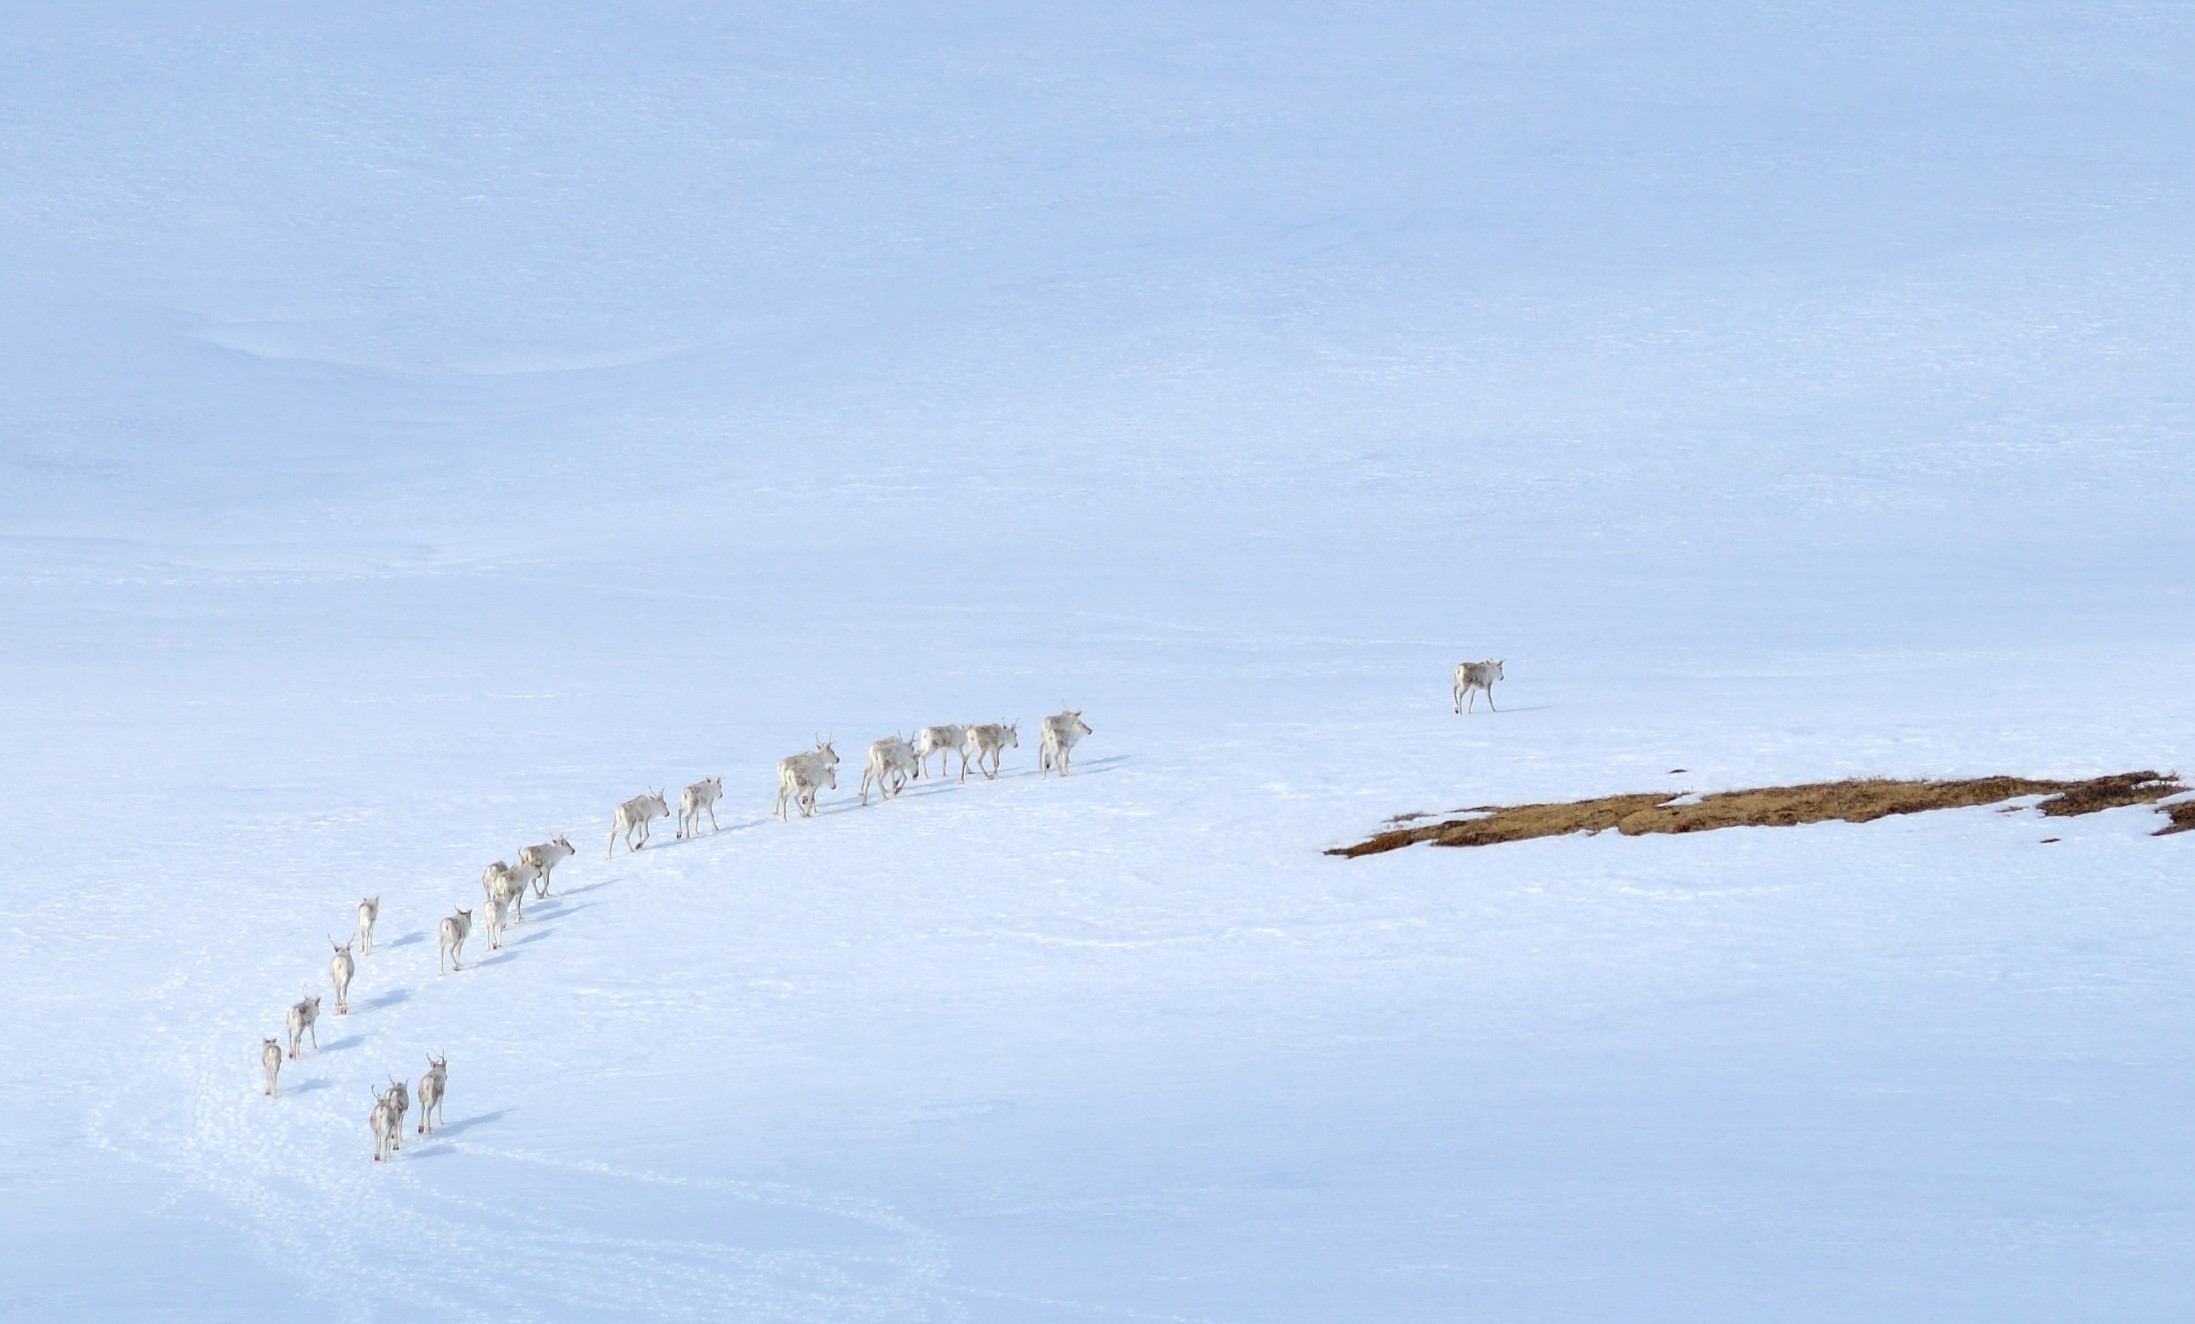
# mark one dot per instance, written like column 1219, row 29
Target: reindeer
column 695, row 800
column 382, row 1122
column 501, row 880
column 302, row 1016
column 450, row 940
column 990, row 740
column 1471, row 677
column 891, row 762
column 499, row 907
column 943, row 741
column 431, row 1088
column 341, row 967
column 400, row 1102
column 801, row 776
column 634, row 816
column 270, row 1061
column 369, row 910
column 1060, row 733
column 537, row 862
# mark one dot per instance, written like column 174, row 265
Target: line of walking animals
column 893, row 762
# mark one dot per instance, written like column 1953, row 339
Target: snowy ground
column 424, row 429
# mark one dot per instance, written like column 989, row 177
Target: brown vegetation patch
column 1777, row 806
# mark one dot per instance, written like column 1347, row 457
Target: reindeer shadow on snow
column 434, row 1146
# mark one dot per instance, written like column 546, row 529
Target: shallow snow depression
column 426, row 430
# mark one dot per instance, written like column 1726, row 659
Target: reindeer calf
column 270, row 1061
column 369, row 910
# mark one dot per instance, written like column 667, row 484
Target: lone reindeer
column 1473, row 677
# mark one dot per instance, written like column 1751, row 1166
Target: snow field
column 423, row 427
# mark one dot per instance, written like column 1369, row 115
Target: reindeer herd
column 892, row 763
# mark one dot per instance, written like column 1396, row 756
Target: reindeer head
column 1011, row 731
column 341, row 948
column 372, row 903
column 437, row 1063
column 265, row 1044
column 465, row 915
column 315, row 1005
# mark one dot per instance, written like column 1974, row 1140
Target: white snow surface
column 424, row 426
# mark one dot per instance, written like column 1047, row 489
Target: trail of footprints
column 892, row 763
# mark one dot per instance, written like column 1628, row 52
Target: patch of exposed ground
column 1777, row 806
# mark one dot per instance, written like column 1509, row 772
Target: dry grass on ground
column 1777, row 806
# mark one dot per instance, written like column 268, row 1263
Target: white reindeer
column 1471, row 677
column 1061, row 731
column 369, row 910
column 382, row 1122
column 501, row 880
column 801, row 776
column 988, row 741
column 341, row 967
column 450, row 940
column 891, row 763
column 634, row 816
column 400, row 1102
column 499, row 908
column 431, row 1088
column 270, row 1061
column 696, row 800
column 943, row 741
column 302, row 1017
column 538, row 862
